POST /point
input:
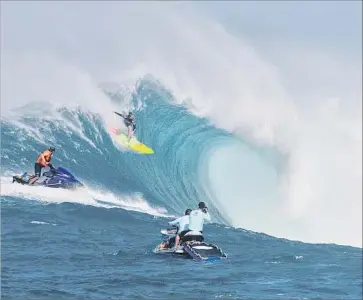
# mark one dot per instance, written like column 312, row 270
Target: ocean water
column 97, row 243
column 248, row 108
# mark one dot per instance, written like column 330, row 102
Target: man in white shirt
column 197, row 218
column 183, row 223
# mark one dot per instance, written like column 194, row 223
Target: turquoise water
column 97, row 243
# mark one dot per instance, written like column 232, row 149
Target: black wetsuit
column 127, row 121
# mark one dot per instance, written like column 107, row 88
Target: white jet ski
column 192, row 245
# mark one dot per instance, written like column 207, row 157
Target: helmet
column 188, row 211
column 202, row 205
column 51, row 149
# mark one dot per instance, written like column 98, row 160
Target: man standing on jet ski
column 129, row 122
column 43, row 161
column 197, row 218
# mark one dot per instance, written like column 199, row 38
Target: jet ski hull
column 192, row 246
column 168, row 232
column 202, row 251
column 57, row 178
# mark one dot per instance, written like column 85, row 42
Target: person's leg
column 172, row 242
column 177, row 239
column 164, row 245
column 168, row 243
column 37, row 171
column 182, row 234
column 129, row 132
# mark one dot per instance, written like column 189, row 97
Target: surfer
column 129, row 122
column 43, row 161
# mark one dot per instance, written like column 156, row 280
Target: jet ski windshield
column 64, row 171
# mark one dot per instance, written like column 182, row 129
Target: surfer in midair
column 129, row 122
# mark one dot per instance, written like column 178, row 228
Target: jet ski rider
column 193, row 220
column 197, row 218
column 43, row 161
column 183, row 223
column 129, row 122
column 182, row 229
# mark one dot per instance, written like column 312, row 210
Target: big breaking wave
column 277, row 164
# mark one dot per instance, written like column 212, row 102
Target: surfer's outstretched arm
column 121, row 115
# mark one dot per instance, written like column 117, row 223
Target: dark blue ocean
column 97, row 243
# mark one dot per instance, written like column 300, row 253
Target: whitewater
column 267, row 133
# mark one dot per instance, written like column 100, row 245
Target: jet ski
column 192, row 245
column 169, row 232
column 54, row 178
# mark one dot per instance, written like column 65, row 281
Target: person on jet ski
column 197, row 218
column 43, row 161
column 129, row 122
column 183, row 223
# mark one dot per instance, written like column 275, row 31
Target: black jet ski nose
column 80, row 184
column 16, row 178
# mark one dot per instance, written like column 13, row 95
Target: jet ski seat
column 192, row 236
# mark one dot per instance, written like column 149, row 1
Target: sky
column 324, row 22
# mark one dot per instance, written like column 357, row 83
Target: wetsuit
column 127, row 121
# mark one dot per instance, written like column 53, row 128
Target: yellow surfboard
column 133, row 144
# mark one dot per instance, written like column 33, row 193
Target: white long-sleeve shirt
column 197, row 218
column 183, row 223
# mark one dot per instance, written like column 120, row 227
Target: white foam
column 86, row 196
column 42, row 223
column 40, row 130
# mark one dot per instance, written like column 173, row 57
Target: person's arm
column 176, row 221
column 206, row 216
column 121, row 115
